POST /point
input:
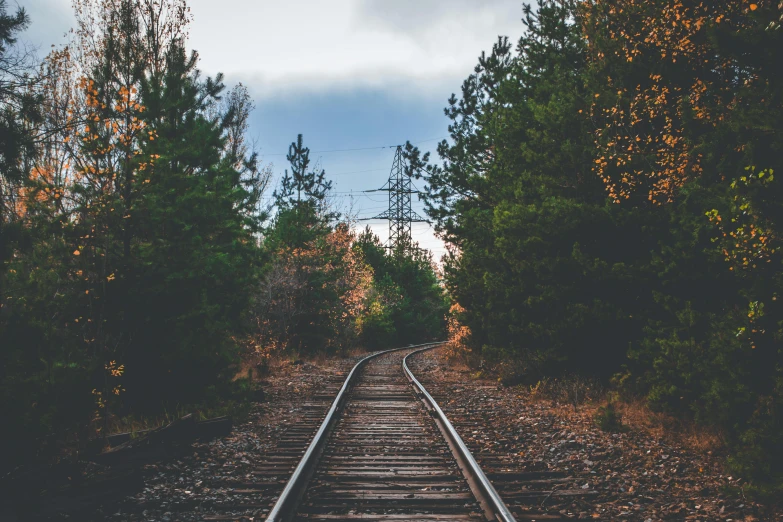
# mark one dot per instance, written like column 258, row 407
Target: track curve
column 383, row 456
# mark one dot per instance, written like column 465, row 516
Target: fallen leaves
column 220, row 480
column 636, row 476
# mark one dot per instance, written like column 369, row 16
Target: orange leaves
column 327, row 262
column 458, row 334
column 640, row 134
column 641, row 124
column 114, row 369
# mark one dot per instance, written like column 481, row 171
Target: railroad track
column 385, row 451
column 526, row 489
column 243, row 495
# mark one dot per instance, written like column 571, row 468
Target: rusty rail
column 488, row 497
column 285, row 507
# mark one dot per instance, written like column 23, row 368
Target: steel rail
column 285, row 507
column 490, row 496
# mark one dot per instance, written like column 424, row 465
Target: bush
column 609, row 419
column 570, row 389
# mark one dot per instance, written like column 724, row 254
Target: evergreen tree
column 19, row 107
column 194, row 267
column 407, row 303
column 610, row 199
column 688, row 119
column 303, row 186
column 303, row 213
column 538, row 261
column 142, row 206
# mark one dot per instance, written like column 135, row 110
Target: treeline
column 610, row 198
column 326, row 288
column 138, row 259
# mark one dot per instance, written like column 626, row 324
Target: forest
column 610, row 198
column 607, row 194
column 140, row 261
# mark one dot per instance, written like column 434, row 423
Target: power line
column 355, row 172
column 399, row 214
column 379, row 147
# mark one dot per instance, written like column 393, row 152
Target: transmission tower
column 400, row 214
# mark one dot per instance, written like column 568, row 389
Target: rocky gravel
column 219, row 480
column 626, row 476
column 635, row 476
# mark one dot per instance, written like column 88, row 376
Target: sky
column 347, row 74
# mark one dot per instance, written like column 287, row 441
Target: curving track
column 384, row 454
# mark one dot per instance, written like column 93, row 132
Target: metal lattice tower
column 400, row 214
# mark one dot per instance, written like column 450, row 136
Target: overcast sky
column 347, row 74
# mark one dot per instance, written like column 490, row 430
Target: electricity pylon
column 400, row 214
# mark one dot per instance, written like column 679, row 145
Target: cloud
column 347, row 73
column 311, row 46
column 394, row 83
column 412, row 47
column 417, row 17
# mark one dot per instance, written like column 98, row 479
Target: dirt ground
column 219, row 479
column 638, row 473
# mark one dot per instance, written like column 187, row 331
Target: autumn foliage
column 325, row 288
column 669, row 80
column 139, row 262
column 611, row 201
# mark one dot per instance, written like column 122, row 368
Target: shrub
column 608, row 418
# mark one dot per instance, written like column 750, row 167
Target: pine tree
column 516, row 200
column 19, row 107
column 194, row 266
column 303, row 213
column 302, row 185
column 144, row 207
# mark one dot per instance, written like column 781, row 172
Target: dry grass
column 357, row 351
column 458, row 364
column 276, row 361
column 139, row 423
column 638, row 415
column 318, row 359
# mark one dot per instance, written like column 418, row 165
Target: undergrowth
column 609, row 419
column 234, row 400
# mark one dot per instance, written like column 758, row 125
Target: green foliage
column 609, row 419
column 142, row 252
column 408, row 304
column 193, row 269
column 303, row 186
column 611, row 205
column 756, row 454
column 540, row 259
column 136, row 256
column 711, row 343
column 19, row 109
column 325, row 289
column 312, row 290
